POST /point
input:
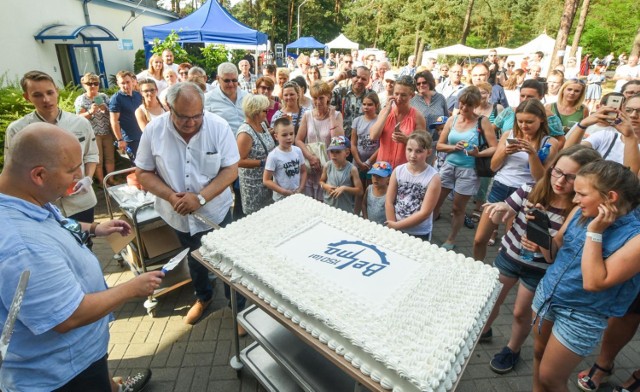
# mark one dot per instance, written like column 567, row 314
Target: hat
column 390, row 75
column 339, row 143
column 381, row 168
column 439, row 121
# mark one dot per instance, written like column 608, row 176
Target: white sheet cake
column 405, row 312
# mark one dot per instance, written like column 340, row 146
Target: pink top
column 390, row 151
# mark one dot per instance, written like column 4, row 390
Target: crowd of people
column 352, row 133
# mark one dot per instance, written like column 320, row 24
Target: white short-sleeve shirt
column 189, row 167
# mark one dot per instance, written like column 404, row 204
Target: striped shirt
column 511, row 244
column 431, row 111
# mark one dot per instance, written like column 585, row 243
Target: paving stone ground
column 196, row 358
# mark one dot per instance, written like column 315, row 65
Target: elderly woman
column 318, row 125
column 254, row 144
column 151, row 106
column 428, row 102
column 183, row 71
column 171, row 77
column 264, row 86
column 93, row 105
column 569, row 107
column 377, row 83
column 155, row 72
column 397, row 120
column 282, row 77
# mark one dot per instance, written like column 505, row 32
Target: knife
column 175, row 260
column 13, row 314
column 205, row 220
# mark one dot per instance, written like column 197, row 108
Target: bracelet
column 580, row 126
column 595, row 237
column 120, row 140
column 92, row 230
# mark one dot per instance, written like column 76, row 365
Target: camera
column 352, row 73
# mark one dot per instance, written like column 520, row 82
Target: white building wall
column 23, row 19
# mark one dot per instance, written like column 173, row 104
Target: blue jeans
column 199, row 273
column 500, row 192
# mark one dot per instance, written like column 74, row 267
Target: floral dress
column 253, row 193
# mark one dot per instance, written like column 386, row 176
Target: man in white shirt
column 167, row 58
column 188, row 158
column 225, row 100
column 451, row 87
column 627, row 72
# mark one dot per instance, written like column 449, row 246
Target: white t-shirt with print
column 285, row 166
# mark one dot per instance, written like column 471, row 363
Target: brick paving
column 196, row 358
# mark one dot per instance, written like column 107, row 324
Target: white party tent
column 342, row 42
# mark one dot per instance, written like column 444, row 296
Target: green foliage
column 139, row 62
column 212, row 56
column 171, row 43
column 13, row 106
column 611, row 27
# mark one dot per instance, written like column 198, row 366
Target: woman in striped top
column 553, row 194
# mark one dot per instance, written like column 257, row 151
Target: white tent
column 342, row 42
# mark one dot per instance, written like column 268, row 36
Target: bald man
column 40, row 90
column 61, row 334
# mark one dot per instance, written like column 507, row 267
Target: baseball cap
column 390, row 75
column 381, row 168
column 439, row 121
column 339, row 143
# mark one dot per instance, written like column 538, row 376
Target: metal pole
column 301, row 4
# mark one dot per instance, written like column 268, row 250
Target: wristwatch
column 201, row 199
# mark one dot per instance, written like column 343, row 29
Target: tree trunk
column 420, row 50
column 467, row 23
column 580, row 27
column 635, row 50
column 290, row 24
column 566, row 21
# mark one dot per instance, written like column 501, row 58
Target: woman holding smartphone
column 553, row 193
column 93, row 105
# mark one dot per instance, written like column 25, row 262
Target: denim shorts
column 580, row 332
column 462, row 180
column 529, row 277
column 500, row 192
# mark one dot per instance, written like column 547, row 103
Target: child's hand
column 362, row 166
column 336, row 192
column 328, row 188
column 528, row 245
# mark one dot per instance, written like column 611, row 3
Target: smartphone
column 538, row 228
column 512, row 141
column 614, row 101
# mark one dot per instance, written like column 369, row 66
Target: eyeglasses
column 421, row 83
column 265, row 88
column 184, row 119
column 153, row 90
column 510, row 65
column 230, row 80
column 557, row 173
column 184, row 72
column 629, row 110
column 92, row 84
column 74, row 227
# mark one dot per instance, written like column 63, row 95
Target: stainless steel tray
column 305, row 365
column 267, row 371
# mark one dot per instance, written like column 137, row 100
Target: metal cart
column 143, row 218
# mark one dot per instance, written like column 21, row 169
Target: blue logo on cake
column 353, row 254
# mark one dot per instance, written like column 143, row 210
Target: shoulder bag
column 483, row 164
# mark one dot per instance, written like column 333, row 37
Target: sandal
column 587, row 384
column 477, row 214
column 631, row 388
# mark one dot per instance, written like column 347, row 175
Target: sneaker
column 137, row 382
column 486, row 337
column 468, row 222
column 504, row 361
column 196, row 311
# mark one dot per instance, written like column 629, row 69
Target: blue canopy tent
column 306, row 43
column 209, row 23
